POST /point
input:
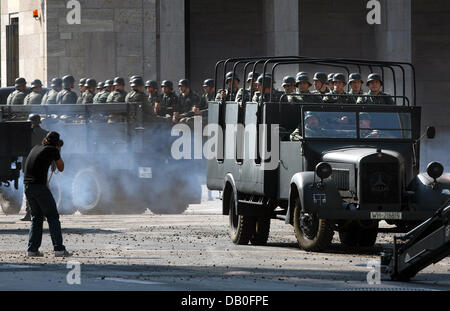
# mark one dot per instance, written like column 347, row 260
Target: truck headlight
column 435, row 170
column 323, row 170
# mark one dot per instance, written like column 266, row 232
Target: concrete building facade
column 173, row 39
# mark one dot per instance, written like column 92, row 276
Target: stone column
column 282, row 34
column 172, row 40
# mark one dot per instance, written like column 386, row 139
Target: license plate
column 385, row 215
column 145, row 172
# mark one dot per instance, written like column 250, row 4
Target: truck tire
column 313, row 234
column 11, row 200
column 353, row 235
column 242, row 228
column 262, row 229
column 88, row 192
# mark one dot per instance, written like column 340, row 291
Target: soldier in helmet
column 330, row 81
column 339, row 83
column 312, row 127
column 187, row 99
column 88, row 95
column 244, row 95
column 136, row 95
column 50, row 97
column 108, row 88
column 289, row 88
column 82, row 87
column 67, row 96
column 355, row 81
column 18, row 96
column 119, row 94
column 303, row 84
column 100, row 88
column 208, row 95
column 168, row 105
column 232, row 87
column 374, row 82
column 301, row 73
column 320, row 83
column 37, row 136
column 264, row 90
column 35, row 97
column 152, row 89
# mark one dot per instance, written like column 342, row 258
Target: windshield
column 371, row 125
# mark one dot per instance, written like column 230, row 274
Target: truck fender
column 229, row 185
column 311, row 196
column 426, row 197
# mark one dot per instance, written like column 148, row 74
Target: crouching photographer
column 39, row 196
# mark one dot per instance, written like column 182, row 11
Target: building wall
column 32, row 42
column 115, row 38
column 431, row 57
column 219, row 30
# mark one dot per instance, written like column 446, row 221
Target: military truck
column 116, row 162
column 346, row 176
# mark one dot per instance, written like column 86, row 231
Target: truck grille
column 380, row 183
column 341, row 178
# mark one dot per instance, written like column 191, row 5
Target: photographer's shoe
column 35, row 254
column 64, row 253
column 27, row 217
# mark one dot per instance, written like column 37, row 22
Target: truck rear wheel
column 11, row 200
column 242, row 228
column 88, row 192
column 312, row 233
column 262, row 229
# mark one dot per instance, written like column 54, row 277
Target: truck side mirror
column 431, row 132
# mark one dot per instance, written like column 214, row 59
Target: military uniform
column 66, row 97
column 316, row 92
column 80, row 98
column 96, row 97
column 204, row 100
column 117, row 96
column 243, row 95
column 153, row 99
column 50, row 97
column 34, row 98
column 136, row 97
column 37, row 136
column 276, row 95
column 88, row 97
column 309, row 98
column 169, row 104
column 103, row 96
column 381, row 99
column 16, row 98
column 229, row 95
column 331, row 99
column 186, row 102
column 297, row 134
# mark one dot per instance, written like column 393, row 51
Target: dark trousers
column 43, row 204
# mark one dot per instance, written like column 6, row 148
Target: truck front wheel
column 312, row 233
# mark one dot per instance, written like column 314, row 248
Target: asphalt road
column 189, row 252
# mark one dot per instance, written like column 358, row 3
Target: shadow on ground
column 80, row 231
